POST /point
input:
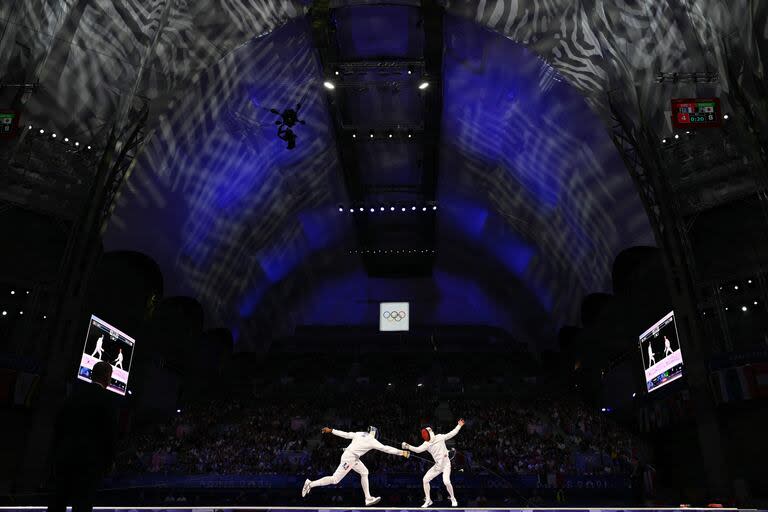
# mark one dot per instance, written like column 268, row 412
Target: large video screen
column 660, row 350
column 109, row 344
column 394, row 316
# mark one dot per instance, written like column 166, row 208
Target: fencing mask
column 374, row 432
column 427, row 434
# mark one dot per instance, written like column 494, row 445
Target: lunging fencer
column 362, row 443
column 435, row 445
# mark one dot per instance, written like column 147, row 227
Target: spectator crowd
column 248, row 435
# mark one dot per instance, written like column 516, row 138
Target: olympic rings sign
column 394, row 316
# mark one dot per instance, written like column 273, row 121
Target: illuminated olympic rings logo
column 394, row 316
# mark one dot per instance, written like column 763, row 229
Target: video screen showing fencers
column 660, row 352
column 105, row 342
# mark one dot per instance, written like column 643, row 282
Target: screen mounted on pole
column 109, row 344
column 660, row 352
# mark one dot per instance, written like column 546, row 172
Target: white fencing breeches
column 348, row 463
column 445, row 469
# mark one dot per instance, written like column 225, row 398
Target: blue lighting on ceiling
column 467, row 215
column 514, row 253
column 504, row 124
column 370, row 31
column 251, row 299
column 277, row 262
column 321, row 229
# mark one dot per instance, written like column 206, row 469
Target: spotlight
column 389, row 383
column 726, row 308
column 382, row 208
column 744, row 308
column 351, row 210
column 423, row 85
column 45, row 317
column 424, row 209
column 736, row 287
column 130, row 392
column 27, row 292
column 434, row 207
column 178, row 411
column 413, row 208
column 66, row 139
column 362, row 209
column 329, row 85
column 372, row 210
column 5, row 313
column 410, row 135
column 370, row 133
column 410, row 70
column 89, row 147
column 749, row 281
column 30, row 127
column 77, row 143
column 403, row 208
column 21, row 312
column 687, row 132
column 419, row 385
column 336, row 72
column 13, row 292
column 341, row 209
column 53, row 135
column 677, row 136
column 392, row 208
column 726, row 116
column 354, row 135
column 390, row 135
column 603, row 409
column 663, row 141
column 42, row 131
column 634, row 395
column 755, row 303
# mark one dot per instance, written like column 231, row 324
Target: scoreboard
column 9, row 123
column 696, row 113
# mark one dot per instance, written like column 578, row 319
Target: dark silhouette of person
column 287, row 135
column 85, row 435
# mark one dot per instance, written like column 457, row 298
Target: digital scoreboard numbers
column 696, row 113
column 9, row 123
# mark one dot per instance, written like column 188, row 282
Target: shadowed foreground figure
column 84, row 441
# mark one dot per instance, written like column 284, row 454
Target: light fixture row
column 391, row 251
column 384, row 134
column 330, row 85
column 385, row 209
column 53, row 135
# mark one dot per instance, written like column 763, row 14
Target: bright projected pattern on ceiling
column 88, row 55
column 251, row 229
column 528, row 172
column 217, row 199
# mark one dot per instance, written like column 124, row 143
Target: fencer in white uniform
column 119, row 360
column 667, row 347
column 362, row 443
column 99, row 347
column 435, row 445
